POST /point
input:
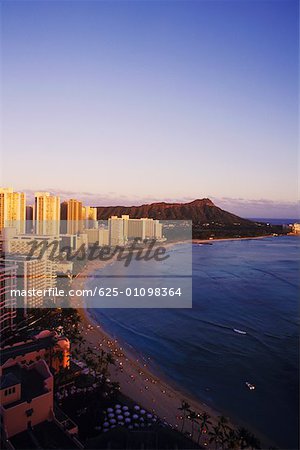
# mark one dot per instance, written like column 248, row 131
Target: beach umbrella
column 136, row 425
column 121, row 423
column 135, row 416
column 113, row 426
column 104, row 431
column 141, row 419
column 137, row 408
column 120, row 417
column 126, row 413
column 117, row 406
column 143, row 411
column 106, row 424
column 110, row 410
column 154, row 419
column 127, row 420
column 111, row 415
column 118, row 411
column 113, row 421
column 125, row 408
column 149, row 416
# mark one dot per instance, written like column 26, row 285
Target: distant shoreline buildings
column 71, row 224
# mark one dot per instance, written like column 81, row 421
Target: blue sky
column 127, row 102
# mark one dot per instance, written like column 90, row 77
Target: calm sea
column 251, row 285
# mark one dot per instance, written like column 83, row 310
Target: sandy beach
column 136, row 379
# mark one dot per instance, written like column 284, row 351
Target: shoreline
column 140, row 383
column 145, row 385
column 250, row 238
column 166, row 392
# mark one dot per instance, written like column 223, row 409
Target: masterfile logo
column 111, row 265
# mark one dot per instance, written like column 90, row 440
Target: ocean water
column 251, row 285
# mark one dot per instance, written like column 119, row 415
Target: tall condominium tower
column 31, row 274
column 74, row 216
column 46, row 213
column 12, row 209
column 116, row 231
column 89, row 215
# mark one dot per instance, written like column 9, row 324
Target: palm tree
column 204, row 424
column 232, row 439
column 184, row 407
column 223, row 423
column 243, row 437
column 109, row 359
column 216, row 436
column 192, row 417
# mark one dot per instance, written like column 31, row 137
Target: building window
column 9, row 391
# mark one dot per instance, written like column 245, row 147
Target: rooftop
column 34, row 344
column 31, row 379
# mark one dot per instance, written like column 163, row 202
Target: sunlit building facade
column 74, row 216
column 12, row 209
column 46, row 213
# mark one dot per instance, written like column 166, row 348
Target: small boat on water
column 250, row 386
column 239, row 331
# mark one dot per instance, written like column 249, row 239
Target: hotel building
column 47, row 248
column 29, row 417
column 26, row 397
column 117, row 231
column 89, row 213
column 12, row 209
column 8, row 313
column 31, row 274
column 123, row 229
column 46, row 214
column 74, row 217
column 47, row 345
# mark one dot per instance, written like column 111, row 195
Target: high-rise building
column 74, row 216
column 144, row 228
column 46, row 213
column 89, row 215
column 8, row 277
column 31, row 274
column 46, row 247
column 116, row 231
column 12, row 209
column 123, row 229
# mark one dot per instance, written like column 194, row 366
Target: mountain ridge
column 199, row 211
